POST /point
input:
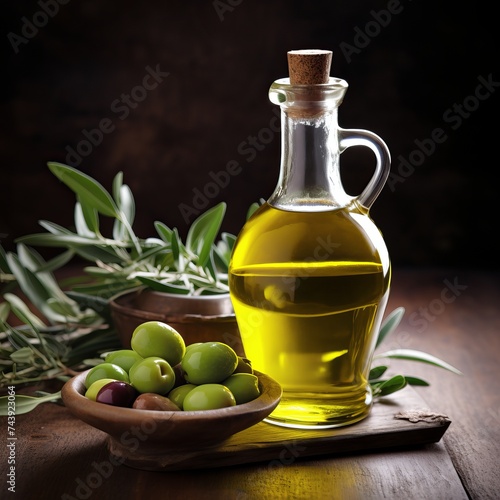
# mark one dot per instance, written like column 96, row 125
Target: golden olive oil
column 309, row 290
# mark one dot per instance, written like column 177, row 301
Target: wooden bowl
column 151, row 440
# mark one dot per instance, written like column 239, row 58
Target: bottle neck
column 309, row 173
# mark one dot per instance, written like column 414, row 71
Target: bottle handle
column 358, row 137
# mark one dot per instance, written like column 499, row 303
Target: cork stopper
column 309, row 67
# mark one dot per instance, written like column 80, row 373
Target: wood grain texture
column 268, row 443
column 466, row 333
column 61, row 457
column 57, row 456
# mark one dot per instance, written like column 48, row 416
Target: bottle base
column 314, row 413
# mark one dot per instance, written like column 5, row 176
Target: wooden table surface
column 453, row 314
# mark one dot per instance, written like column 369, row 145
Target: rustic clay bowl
column 207, row 318
column 154, row 440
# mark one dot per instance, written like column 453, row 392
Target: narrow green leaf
column 32, row 287
column 202, row 233
column 3, row 261
column 105, row 290
column 390, row 324
column 229, row 239
column 86, row 221
column 53, row 228
column 57, row 262
column 116, row 187
column 104, row 254
column 126, row 204
column 29, row 258
column 392, row 385
column 24, row 404
column 175, row 247
column 88, row 190
column 98, row 304
column 414, row 355
column 172, row 239
column 223, row 251
column 164, row 232
column 61, row 307
column 416, row 381
column 376, row 372
column 253, row 208
column 164, row 287
column 69, row 240
column 23, row 356
column 32, row 261
column 220, row 260
column 22, row 311
column 4, row 311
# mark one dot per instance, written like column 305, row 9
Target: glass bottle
column 310, row 273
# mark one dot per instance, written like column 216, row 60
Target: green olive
column 209, row 363
column 244, row 386
column 124, row 358
column 154, row 338
column 178, row 394
column 208, row 397
column 152, row 374
column 244, row 365
column 105, row 370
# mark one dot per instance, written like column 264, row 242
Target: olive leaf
column 57, row 262
column 68, row 239
column 22, row 311
column 35, row 263
column 4, row 311
column 386, row 387
column 390, row 324
column 86, row 221
column 203, row 231
column 414, row 355
column 253, row 208
column 126, row 203
column 416, row 381
column 164, row 287
column 23, row 403
column 172, row 238
column 117, row 186
column 376, row 372
column 33, row 287
column 23, row 355
column 89, row 191
column 3, row 261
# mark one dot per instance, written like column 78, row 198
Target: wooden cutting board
column 277, row 446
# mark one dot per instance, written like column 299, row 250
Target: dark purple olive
column 117, row 393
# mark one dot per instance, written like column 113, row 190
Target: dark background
column 406, row 72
